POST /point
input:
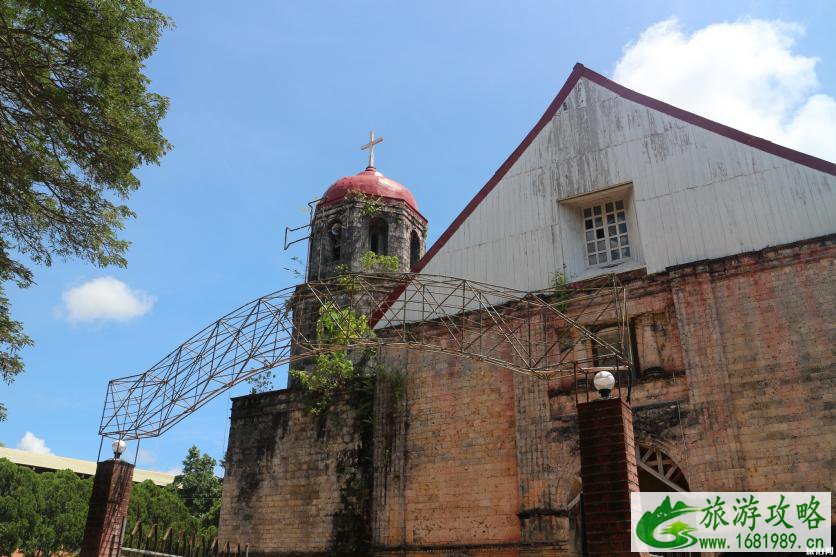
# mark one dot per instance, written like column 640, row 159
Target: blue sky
column 270, row 102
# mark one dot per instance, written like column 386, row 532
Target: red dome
column 370, row 182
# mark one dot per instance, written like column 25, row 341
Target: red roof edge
column 721, row 129
column 578, row 72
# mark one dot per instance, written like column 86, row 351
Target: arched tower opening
column 335, row 232
column 378, row 236
column 414, row 248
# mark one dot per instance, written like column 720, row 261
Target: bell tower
column 367, row 212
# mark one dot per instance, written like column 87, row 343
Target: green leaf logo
column 680, row 531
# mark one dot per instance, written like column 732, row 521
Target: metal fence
column 152, row 541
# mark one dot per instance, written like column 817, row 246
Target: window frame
column 601, row 210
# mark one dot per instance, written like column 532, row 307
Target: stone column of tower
column 367, row 212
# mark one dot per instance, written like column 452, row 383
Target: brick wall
column 758, row 340
column 736, row 387
column 109, row 500
column 741, row 396
column 608, row 470
column 453, row 481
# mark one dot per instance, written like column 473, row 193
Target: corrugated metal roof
column 82, row 467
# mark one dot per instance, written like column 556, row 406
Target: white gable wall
column 697, row 195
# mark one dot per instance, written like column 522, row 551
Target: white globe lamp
column 118, row 448
column 604, row 381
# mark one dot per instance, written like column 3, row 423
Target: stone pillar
column 108, row 508
column 608, row 473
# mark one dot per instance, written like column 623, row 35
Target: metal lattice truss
column 545, row 334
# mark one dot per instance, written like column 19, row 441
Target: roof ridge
column 579, row 71
column 729, row 132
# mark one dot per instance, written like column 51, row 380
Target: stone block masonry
column 286, row 475
column 733, row 386
column 453, row 479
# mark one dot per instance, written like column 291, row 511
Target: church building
column 724, row 243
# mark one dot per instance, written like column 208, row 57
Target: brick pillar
column 608, row 473
column 108, row 508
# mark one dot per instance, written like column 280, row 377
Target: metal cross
column 370, row 146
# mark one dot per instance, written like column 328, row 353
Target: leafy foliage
column 153, row 504
column 561, row 293
column 261, row 382
column 334, row 371
column 197, row 485
column 41, row 514
column 346, row 278
column 191, row 504
column 76, row 119
column 372, row 262
column 341, row 325
column 371, row 204
column 296, row 267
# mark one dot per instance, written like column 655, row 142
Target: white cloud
column 743, row 74
column 175, row 471
column 29, row 442
column 105, row 299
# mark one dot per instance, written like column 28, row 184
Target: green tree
column 64, row 499
column 41, row 513
column 76, row 120
column 197, row 485
column 19, row 520
column 153, row 504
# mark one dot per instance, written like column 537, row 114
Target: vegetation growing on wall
column 371, row 204
column 561, row 292
column 374, row 263
column 334, row 372
column 352, row 379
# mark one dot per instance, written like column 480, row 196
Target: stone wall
column 451, row 484
column 735, row 386
column 287, row 474
column 400, row 219
column 741, row 397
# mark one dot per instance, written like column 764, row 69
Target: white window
column 605, row 232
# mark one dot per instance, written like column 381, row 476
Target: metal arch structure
column 545, row 334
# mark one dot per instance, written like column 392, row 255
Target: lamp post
column 108, row 507
column 608, row 465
